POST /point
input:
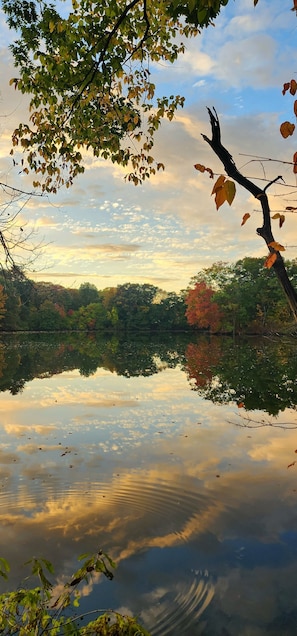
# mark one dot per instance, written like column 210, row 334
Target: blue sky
column 108, row 232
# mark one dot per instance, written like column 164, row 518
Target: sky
column 108, row 232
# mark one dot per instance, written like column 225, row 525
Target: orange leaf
column 201, row 168
column 245, row 217
column 287, row 129
column 270, row 260
column 198, row 166
column 277, row 246
column 240, row 405
column 220, row 197
column 218, row 184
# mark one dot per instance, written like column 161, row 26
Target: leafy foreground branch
column 41, row 610
column 225, row 191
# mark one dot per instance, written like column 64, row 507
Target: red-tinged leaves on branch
column 277, row 246
column 281, row 218
column 201, row 168
column 201, row 310
column 270, row 260
column 245, row 218
column 287, row 129
column 290, row 86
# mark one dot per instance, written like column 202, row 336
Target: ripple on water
column 176, row 612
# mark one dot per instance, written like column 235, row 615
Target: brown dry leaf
column 293, row 87
column 245, row 217
column 287, row 129
column 293, row 464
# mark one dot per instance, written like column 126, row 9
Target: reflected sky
column 196, row 504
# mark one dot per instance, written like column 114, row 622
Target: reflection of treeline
column 257, row 373
column 22, row 358
column 253, row 373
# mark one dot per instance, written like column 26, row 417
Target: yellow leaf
column 245, row 217
column 277, row 246
column 51, row 26
column 230, row 190
column 276, row 215
column 287, row 129
column 270, row 260
column 218, row 184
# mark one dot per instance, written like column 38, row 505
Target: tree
column 3, row 299
column 201, row 310
column 87, row 72
column 224, row 190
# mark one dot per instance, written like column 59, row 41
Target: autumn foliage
column 202, row 311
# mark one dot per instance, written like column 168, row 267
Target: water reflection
column 198, row 512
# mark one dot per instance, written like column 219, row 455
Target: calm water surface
column 149, row 452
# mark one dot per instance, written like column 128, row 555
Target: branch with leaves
column 224, row 190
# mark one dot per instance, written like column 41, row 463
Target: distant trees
column 231, row 298
column 247, row 296
column 41, row 306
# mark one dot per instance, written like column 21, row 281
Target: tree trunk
column 265, row 231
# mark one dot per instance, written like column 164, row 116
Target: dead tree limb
column 265, row 231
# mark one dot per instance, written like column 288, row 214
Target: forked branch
column 265, row 231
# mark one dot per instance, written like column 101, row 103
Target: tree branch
column 265, row 231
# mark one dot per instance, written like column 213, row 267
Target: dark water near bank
column 175, row 457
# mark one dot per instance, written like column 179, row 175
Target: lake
column 176, row 456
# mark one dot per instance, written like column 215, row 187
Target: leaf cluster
column 38, row 611
column 88, row 76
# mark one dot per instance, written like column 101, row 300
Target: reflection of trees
column 27, row 357
column 258, row 373
column 250, row 422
